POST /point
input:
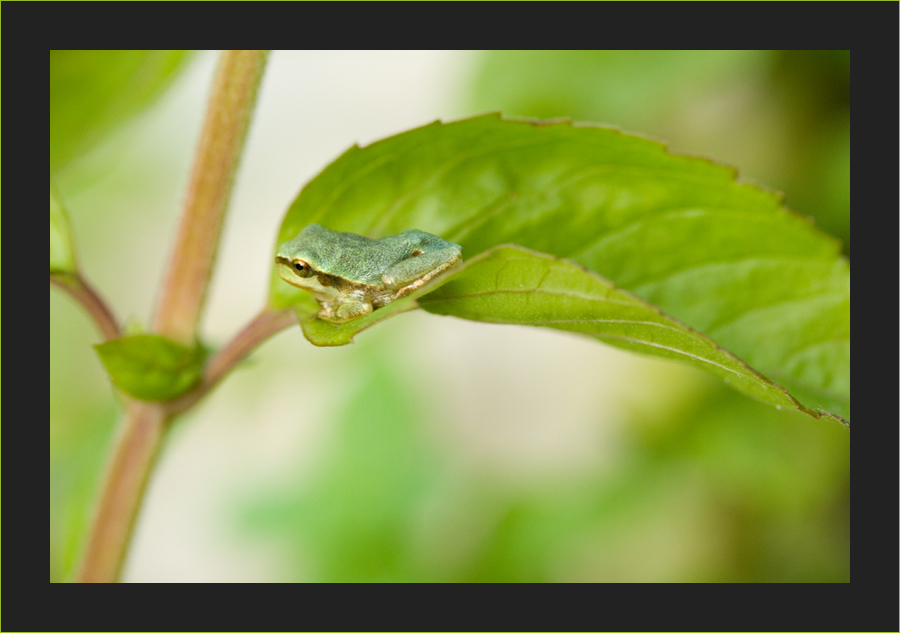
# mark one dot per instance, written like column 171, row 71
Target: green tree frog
column 351, row 275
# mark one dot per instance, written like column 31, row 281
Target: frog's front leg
column 411, row 273
column 345, row 311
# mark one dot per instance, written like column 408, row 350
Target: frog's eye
column 302, row 268
column 416, row 253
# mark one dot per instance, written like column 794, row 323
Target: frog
column 351, row 275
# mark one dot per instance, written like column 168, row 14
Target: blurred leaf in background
column 78, row 449
column 728, row 490
column 355, row 520
column 91, row 92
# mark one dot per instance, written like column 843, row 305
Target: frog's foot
column 348, row 312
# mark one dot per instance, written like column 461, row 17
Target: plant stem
column 227, row 119
column 267, row 323
column 85, row 294
column 228, row 116
column 123, row 487
column 137, row 447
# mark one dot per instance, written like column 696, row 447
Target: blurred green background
column 435, row 448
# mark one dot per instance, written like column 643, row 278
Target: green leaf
column 93, row 91
column 513, row 285
column 724, row 257
column 62, row 251
column 151, row 367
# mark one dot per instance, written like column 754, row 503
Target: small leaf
column 62, row 252
column 724, row 257
column 151, row 367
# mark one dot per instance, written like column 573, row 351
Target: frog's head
column 300, row 260
column 315, row 260
column 295, row 265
